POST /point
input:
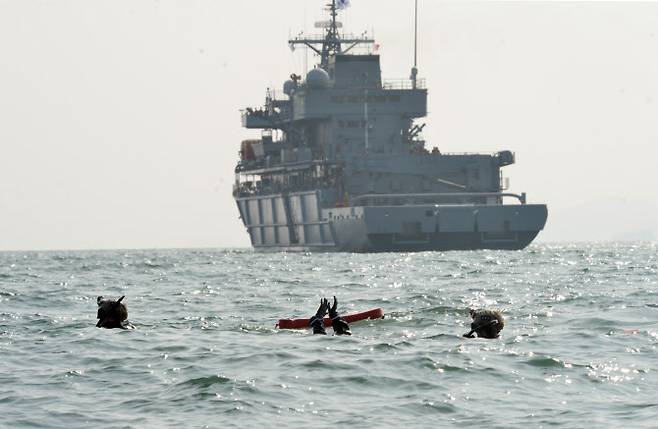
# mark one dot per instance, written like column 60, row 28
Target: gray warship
column 341, row 165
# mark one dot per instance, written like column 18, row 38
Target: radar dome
column 289, row 86
column 318, row 79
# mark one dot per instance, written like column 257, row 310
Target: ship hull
column 297, row 222
column 452, row 241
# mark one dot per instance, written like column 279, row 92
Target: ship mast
column 414, row 69
column 331, row 43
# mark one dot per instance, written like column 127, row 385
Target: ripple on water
column 206, row 381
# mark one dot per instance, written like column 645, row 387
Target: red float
column 376, row 313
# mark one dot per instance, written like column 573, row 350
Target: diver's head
column 111, row 314
column 487, row 323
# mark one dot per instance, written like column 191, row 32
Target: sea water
column 578, row 349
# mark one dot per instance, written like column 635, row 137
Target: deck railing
column 461, row 197
column 403, row 84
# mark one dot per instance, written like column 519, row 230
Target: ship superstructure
column 341, row 165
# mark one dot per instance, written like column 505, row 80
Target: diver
column 486, row 324
column 337, row 322
column 112, row 314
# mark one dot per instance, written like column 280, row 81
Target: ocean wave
column 205, row 382
column 206, row 352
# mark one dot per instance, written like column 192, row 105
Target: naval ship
column 341, row 164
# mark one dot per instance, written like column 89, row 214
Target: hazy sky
column 120, row 126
